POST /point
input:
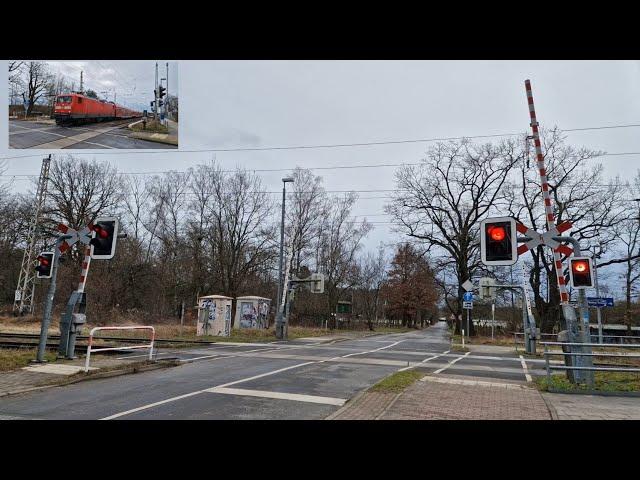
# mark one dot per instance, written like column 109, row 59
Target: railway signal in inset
column 580, row 272
column 103, row 243
column 45, row 264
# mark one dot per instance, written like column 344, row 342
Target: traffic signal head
column 580, row 272
column 103, row 243
column 45, row 264
column 498, row 242
column 161, row 91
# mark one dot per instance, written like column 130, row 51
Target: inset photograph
column 119, row 104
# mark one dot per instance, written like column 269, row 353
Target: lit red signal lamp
column 496, row 233
column 580, row 272
column 498, row 242
column 45, row 264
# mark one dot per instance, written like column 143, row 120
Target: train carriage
column 74, row 108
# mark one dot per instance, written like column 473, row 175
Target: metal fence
column 518, row 339
column 614, row 368
column 91, row 348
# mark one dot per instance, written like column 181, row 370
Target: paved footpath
column 476, row 386
column 448, row 398
column 593, row 407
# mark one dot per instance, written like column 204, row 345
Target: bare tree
column 372, row 275
column 627, row 250
column 441, row 201
column 241, row 235
column 168, row 194
column 306, row 208
column 581, row 195
column 79, row 191
column 37, row 82
column 338, row 242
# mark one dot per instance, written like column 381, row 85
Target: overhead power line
column 338, row 145
column 263, row 170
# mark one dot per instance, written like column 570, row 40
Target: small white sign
column 467, row 305
column 468, row 286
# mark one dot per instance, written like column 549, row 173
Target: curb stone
column 391, row 403
column 550, row 407
column 95, row 376
column 347, row 405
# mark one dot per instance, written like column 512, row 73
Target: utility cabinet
column 252, row 312
column 214, row 315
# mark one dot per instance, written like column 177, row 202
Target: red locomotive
column 73, row 108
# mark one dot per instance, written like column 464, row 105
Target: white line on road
column 424, row 361
column 526, row 370
column 265, row 374
column 371, row 351
column 279, row 395
column 440, row 370
column 145, row 407
column 243, row 380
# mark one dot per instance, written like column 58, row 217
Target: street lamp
column 280, row 326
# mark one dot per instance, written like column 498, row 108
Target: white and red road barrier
column 551, row 227
column 90, row 348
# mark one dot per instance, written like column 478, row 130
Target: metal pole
column 279, row 333
column 585, row 334
column 181, row 317
column 493, row 317
column 595, row 279
column 525, row 324
column 468, row 322
column 46, row 319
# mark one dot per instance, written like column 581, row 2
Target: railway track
column 31, row 340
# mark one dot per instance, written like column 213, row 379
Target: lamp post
column 280, row 326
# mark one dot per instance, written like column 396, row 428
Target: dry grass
column 11, row 359
column 165, row 330
column 151, row 127
column 397, row 382
column 603, row 381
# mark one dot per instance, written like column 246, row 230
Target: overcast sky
column 132, row 81
column 226, row 104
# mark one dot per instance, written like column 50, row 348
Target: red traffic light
column 101, row 232
column 498, row 242
column 580, row 266
column 43, row 261
column 496, row 233
column 581, row 272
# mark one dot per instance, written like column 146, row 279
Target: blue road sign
column 467, row 297
column 600, row 301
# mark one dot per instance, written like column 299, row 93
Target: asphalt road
column 284, row 380
column 105, row 135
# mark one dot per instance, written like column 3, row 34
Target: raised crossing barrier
column 90, row 347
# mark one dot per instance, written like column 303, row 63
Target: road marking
column 526, row 370
column 451, row 363
column 371, row 351
column 424, row 361
column 265, row 374
column 243, row 380
column 204, row 356
column 279, row 395
column 98, row 145
column 151, row 405
column 41, row 130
